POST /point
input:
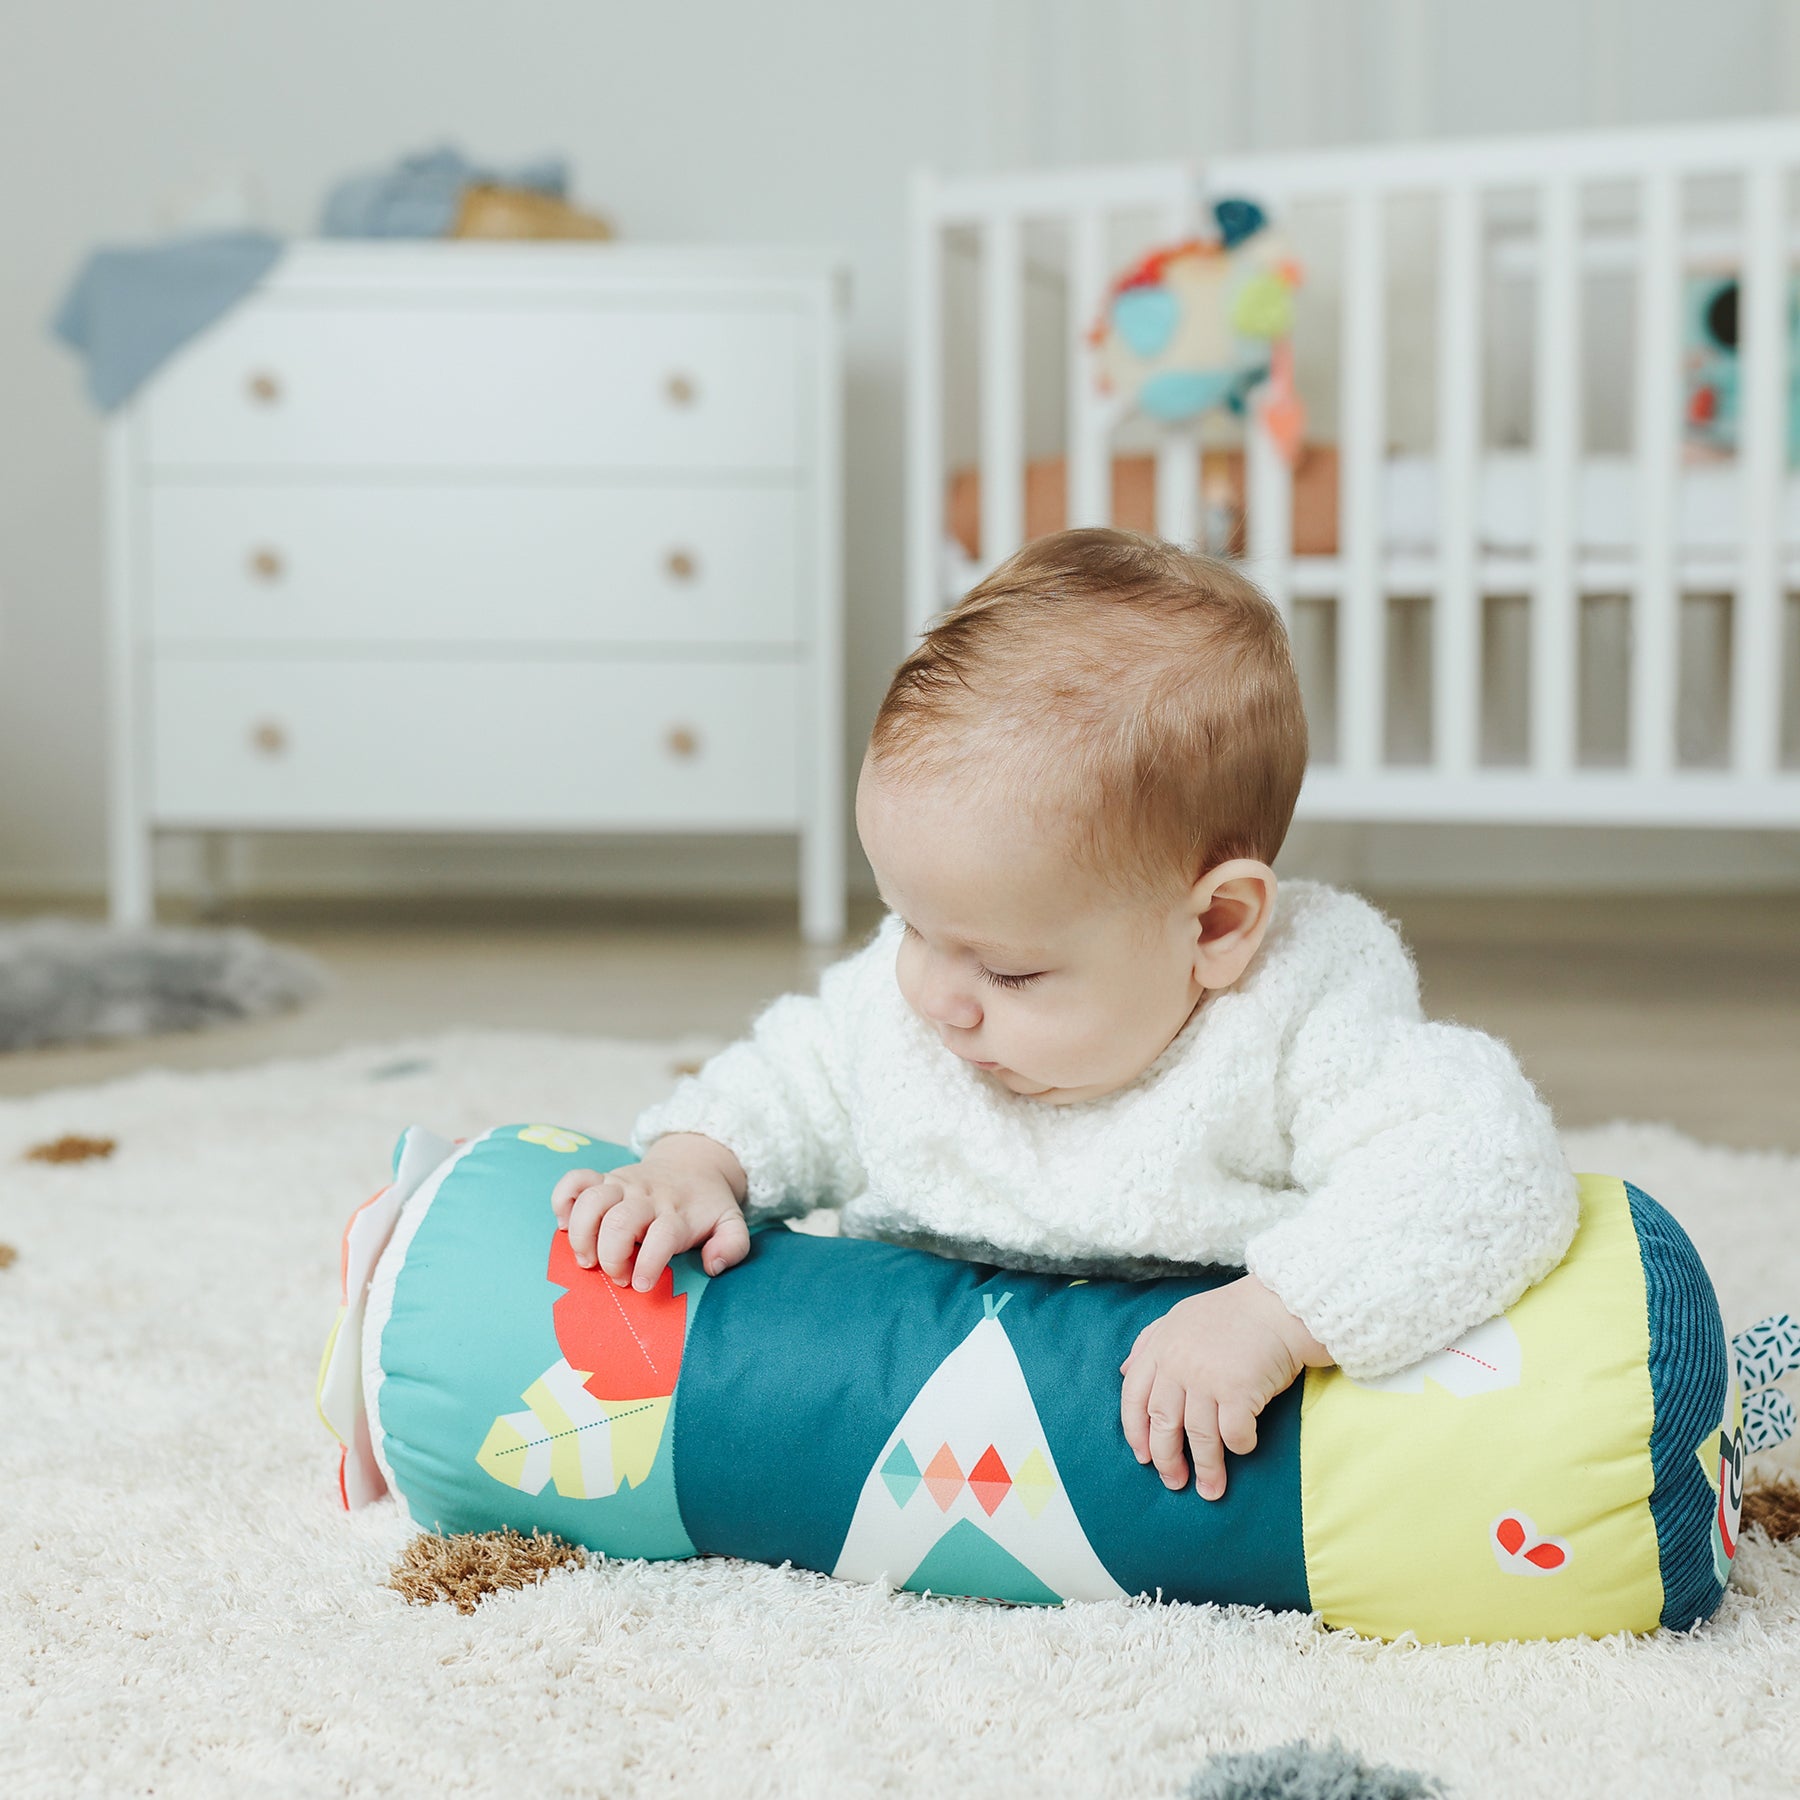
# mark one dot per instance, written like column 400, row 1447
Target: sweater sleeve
column 776, row 1100
column 1432, row 1190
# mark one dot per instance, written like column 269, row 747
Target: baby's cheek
column 1057, row 1042
column 906, row 973
column 1096, row 1044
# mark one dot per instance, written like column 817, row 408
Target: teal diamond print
column 901, row 1474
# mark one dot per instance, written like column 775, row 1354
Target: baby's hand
column 1208, row 1366
column 682, row 1194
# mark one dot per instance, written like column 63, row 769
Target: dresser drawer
column 495, row 385
column 249, row 563
column 458, row 744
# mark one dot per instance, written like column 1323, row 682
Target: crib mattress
column 1708, row 516
column 1709, row 503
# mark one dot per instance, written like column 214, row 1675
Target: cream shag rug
column 185, row 1610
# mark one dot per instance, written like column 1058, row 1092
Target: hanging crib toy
column 1204, row 324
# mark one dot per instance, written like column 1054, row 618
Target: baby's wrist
column 693, row 1152
column 1306, row 1349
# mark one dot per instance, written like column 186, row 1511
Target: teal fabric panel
column 471, row 1329
column 1689, row 1381
column 806, row 1355
column 1244, row 1549
column 798, row 1366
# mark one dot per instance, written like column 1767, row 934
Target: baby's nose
column 948, row 1003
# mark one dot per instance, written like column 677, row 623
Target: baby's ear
column 1234, row 905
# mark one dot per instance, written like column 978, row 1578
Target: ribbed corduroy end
column 1689, row 1377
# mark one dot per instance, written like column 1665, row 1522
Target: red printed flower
column 629, row 1343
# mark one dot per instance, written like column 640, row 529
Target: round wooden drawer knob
column 681, row 390
column 264, row 388
column 682, row 565
column 269, row 739
column 683, row 742
column 266, row 565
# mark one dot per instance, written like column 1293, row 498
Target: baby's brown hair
column 1150, row 687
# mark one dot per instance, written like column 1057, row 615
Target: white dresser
column 478, row 537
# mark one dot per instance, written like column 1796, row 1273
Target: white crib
column 1554, row 579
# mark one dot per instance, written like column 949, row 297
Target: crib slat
column 1555, row 641
column 1002, row 389
column 1269, row 525
column 1178, row 488
column 1763, row 385
column 1362, row 608
column 924, row 408
column 1456, row 618
column 1178, row 451
column 1656, row 428
column 1090, row 417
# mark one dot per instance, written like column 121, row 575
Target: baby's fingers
column 567, row 1191
column 1208, row 1452
column 666, row 1236
column 1237, row 1426
column 587, row 1214
column 620, row 1230
column 1134, row 1407
column 1168, row 1404
column 729, row 1244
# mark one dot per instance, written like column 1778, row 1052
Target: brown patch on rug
column 1775, row 1507
column 690, row 1066
column 71, row 1149
column 8, row 1256
column 466, row 1568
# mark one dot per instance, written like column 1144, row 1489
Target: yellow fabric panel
column 1401, row 1492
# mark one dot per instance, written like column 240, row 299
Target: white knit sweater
column 1393, row 1181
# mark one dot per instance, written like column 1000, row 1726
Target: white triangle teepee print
column 965, row 1493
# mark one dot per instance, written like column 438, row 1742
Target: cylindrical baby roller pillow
column 884, row 1414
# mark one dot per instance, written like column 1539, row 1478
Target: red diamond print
column 944, row 1477
column 989, row 1481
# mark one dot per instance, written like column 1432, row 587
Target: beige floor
column 1678, row 1009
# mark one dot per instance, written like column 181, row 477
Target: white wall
column 795, row 121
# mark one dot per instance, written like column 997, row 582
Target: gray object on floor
column 1299, row 1772
column 63, row 982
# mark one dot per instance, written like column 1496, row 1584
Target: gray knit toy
column 64, row 981
column 1298, row 1772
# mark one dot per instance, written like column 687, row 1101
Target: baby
column 1090, row 1038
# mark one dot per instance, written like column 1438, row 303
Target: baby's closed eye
column 995, row 979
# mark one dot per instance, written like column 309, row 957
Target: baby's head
column 1072, row 796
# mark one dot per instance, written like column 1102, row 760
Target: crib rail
column 1651, row 230
column 996, row 208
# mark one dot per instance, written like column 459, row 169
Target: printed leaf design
column 1766, row 1351
column 1520, row 1549
column 594, row 1422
